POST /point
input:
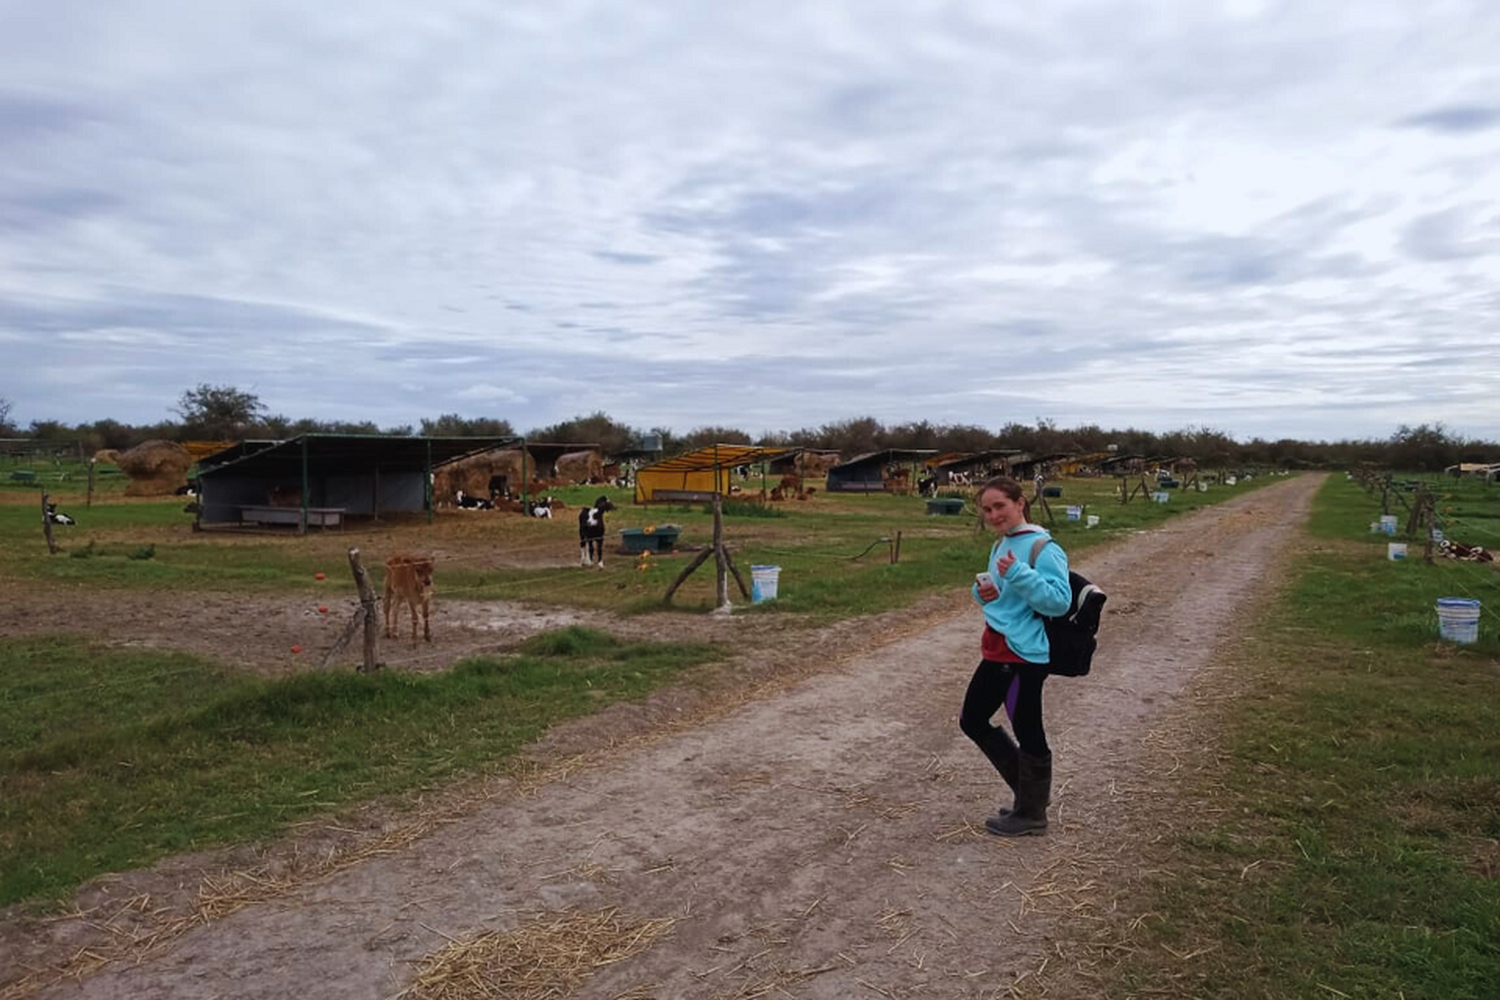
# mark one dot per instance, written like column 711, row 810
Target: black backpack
column 1071, row 634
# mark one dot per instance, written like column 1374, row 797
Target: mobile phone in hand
column 984, row 579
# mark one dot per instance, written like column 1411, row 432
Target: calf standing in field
column 408, row 580
column 591, row 533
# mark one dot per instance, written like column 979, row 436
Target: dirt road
column 822, row 842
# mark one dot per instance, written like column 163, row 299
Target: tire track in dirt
column 824, row 840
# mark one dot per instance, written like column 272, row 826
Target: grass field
column 1346, row 840
column 835, row 552
column 111, row 758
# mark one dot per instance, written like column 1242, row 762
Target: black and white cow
column 58, row 517
column 591, row 533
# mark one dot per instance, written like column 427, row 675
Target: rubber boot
column 1002, row 753
column 1033, row 796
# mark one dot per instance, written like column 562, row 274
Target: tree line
column 226, row 413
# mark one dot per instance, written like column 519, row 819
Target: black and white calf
column 58, row 517
column 473, row 503
column 591, row 533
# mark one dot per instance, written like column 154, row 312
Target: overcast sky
column 1266, row 218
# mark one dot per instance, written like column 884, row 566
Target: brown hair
column 1010, row 487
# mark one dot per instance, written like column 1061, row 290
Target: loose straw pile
column 547, row 958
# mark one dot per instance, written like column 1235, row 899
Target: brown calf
column 408, row 580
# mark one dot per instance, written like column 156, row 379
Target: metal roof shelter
column 992, row 462
column 697, row 475
column 866, row 473
column 320, row 479
column 1028, row 467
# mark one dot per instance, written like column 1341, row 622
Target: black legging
column 1017, row 686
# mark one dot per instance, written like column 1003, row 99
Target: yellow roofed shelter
column 698, row 475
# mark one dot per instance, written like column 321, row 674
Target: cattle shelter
column 878, row 471
column 697, row 475
column 321, row 479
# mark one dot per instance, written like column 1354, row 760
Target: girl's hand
column 1006, row 562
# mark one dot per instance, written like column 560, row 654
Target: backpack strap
column 1036, row 549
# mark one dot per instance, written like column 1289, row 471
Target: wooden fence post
column 723, row 561
column 721, row 583
column 47, row 526
column 368, row 604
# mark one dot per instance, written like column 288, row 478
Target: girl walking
column 1026, row 576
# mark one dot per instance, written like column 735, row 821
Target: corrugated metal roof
column 715, row 456
column 344, row 454
column 887, row 455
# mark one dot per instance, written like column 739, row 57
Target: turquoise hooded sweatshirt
column 1026, row 592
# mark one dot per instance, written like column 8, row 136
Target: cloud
column 1456, row 119
column 1453, row 234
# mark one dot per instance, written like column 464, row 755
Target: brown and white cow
column 408, row 581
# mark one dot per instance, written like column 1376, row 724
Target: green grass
column 1362, row 791
column 834, row 562
column 109, row 760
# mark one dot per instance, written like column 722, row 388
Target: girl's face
column 1000, row 512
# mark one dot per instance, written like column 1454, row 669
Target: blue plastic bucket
column 763, row 583
column 1458, row 619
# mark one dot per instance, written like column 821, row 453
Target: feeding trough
column 653, row 538
column 945, row 505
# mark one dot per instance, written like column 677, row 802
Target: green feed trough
column 662, row 538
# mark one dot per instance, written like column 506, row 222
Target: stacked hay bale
column 154, row 468
column 815, row 464
column 474, row 474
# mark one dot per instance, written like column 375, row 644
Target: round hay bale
column 581, row 467
column 154, row 468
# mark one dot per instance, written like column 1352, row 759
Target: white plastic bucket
column 763, row 581
column 1395, row 550
column 1075, row 513
column 1093, row 521
column 1388, row 523
column 1161, row 497
column 1458, row 619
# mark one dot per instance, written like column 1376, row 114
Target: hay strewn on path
column 548, row 957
